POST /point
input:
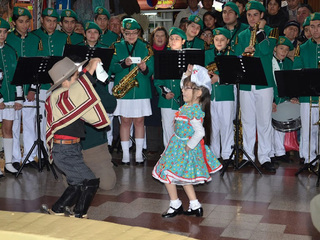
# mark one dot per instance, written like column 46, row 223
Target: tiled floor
column 241, row 205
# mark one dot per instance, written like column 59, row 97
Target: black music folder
column 240, row 69
column 172, row 64
column 34, row 70
column 86, row 52
column 298, row 83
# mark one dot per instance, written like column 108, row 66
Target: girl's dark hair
column 157, row 29
column 205, row 106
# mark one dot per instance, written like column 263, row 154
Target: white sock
column 8, row 149
column 125, row 151
column 174, row 204
column 139, row 145
column 194, row 204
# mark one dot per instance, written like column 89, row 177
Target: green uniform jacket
column 25, row 47
column 174, row 86
column 286, row 64
column 50, row 45
column 74, row 38
column 8, row 63
column 309, row 58
column 120, row 54
column 219, row 92
column 264, row 50
column 98, row 45
column 108, row 38
column 195, row 43
column 235, row 32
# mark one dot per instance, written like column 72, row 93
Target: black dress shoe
column 1, row 175
column 16, row 165
column 269, row 167
column 125, row 163
column 175, row 212
column 284, row 158
column 198, row 212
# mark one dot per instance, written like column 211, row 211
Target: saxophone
column 253, row 39
column 212, row 67
column 128, row 82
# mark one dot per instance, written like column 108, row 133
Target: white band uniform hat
column 199, row 76
column 63, row 70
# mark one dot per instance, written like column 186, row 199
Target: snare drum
column 287, row 117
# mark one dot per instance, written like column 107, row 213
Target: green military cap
column 306, row 22
column 50, row 12
column 233, row 6
column 69, row 13
column 178, row 31
column 218, row 31
column 196, row 19
column 92, row 25
column 255, row 5
column 285, row 41
column 4, row 24
column 19, row 11
column 130, row 24
column 102, row 11
column 315, row 16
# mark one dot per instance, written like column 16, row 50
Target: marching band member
column 8, row 105
column 68, row 23
column 256, row 101
column 26, row 45
column 170, row 101
column 280, row 61
column 222, row 100
column 309, row 57
column 135, row 104
column 194, row 26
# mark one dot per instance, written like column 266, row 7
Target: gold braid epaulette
column 69, row 40
column 112, row 46
column 274, row 33
column 297, row 51
column 40, row 46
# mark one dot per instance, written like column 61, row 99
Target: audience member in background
column 291, row 31
column 242, row 10
column 210, row 20
column 192, row 9
column 207, row 37
column 291, row 9
column 195, row 25
column 183, row 24
column 115, row 25
column 208, row 5
column 79, row 28
column 275, row 17
column 304, row 10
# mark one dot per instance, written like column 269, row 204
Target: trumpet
column 253, row 39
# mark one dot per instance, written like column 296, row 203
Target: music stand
column 34, row 70
column 245, row 70
column 86, row 52
column 172, row 64
column 310, row 87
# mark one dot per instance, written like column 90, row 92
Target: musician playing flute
column 8, row 105
column 135, row 104
column 280, row 61
column 256, row 101
column 309, row 57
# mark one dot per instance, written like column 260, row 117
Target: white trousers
column 304, row 132
column 278, row 143
column 167, row 118
column 256, row 108
column 29, row 132
column 222, row 137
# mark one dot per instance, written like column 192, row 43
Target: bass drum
column 287, row 117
